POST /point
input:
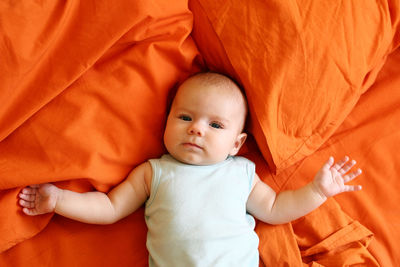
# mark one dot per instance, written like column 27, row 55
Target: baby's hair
column 214, row 78
column 217, row 79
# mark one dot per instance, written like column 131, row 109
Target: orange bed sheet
column 84, row 91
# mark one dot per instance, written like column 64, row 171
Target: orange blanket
column 84, row 92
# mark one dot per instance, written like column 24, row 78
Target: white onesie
column 196, row 215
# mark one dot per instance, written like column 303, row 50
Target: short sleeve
column 155, row 179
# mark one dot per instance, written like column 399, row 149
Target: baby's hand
column 38, row 199
column 331, row 179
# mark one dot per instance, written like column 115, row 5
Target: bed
column 85, row 87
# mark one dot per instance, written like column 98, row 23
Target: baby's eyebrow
column 224, row 121
column 183, row 110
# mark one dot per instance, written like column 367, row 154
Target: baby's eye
column 185, row 118
column 216, row 125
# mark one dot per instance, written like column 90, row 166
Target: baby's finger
column 345, row 168
column 27, row 197
column 30, row 212
column 26, row 204
column 351, row 176
column 29, row 191
column 350, row 188
column 338, row 165
column 328, row 164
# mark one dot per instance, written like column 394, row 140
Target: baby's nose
column 196, row 129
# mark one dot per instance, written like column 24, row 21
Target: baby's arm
column 90, row 207
column 289, row 205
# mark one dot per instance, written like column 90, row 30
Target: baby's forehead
column 210, row 95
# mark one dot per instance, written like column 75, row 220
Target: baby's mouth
column 192, row 145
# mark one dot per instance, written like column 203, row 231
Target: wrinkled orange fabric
column 303, row 65
column 84, row 92
column 364, row 229
column 232, row 41
column 84, row 97
column 370, row 134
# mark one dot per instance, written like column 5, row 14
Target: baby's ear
column 241, row 138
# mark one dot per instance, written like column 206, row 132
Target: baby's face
column 204, row 125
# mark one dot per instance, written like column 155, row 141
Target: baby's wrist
column 317, row 191
column 58, row 198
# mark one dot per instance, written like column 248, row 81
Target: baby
column 200, row 198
